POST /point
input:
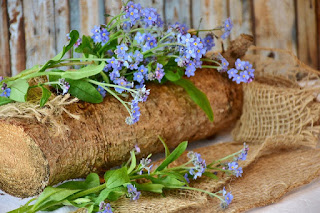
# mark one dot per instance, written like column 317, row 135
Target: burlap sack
column 280, row 123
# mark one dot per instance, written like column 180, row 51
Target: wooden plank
column 89, row 16
column 318, row 30
column 177, row 10
column 39, row 31
column 112, row 8
column 275, row 25
column 307, row 32
column 17, row 36
column 158, row 4
column 212, row 14
column 62, row 23
column 240, row 14
column 4, row 41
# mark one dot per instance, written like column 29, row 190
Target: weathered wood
column 240, row 14
column 89, row 16
column 275, row 25
column 17, row 36
column 307, row 32
column 212, row 14
column 158, row 4
column 4, row 41
column 62, row 23
column 112, row 8
column 39, row 31
column 318, row 30
column 177, row 10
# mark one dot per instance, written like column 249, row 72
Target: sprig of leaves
column 90, row 192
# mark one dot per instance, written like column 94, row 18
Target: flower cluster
column 133, row 194
column 234, row 166
column 105, row 208
column 242, row 73
column 100, row 35
column 198, row 163
column 227, row 28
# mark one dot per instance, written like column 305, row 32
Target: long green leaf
column 197, row 96
column 85, row 72
column 74, row 35
column 150, row 187
column 118, row 178
column 173, row 156
column 167, row 151
column 133, row 162
column 45, row 96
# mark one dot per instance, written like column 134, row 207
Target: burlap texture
column 280, row 124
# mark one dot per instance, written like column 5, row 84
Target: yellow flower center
column 149, row 18
column 131, row 13
column 141, row 70
column 121, row 83
column 121, row 48
column 227, row 25
column 195, row 43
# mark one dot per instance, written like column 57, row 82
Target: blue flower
column 190, row 70
column 224, row 65
column 238, row 79
column 121, row 49
column 6, row 93
column 133, row 194
column 239, row 64
column 232, row 73
column 121, row 82
column 228, row 24
column 228, row 197
column 233, row 165
column 96, row 34
column 78, row 42
column 140, row 37
column 245, row 75
column 114, row 63
column 102, row 91
column 186, row 177
column 152, row 43
column 208, row 42
column 238, row 172
column 126, row 26
column 105, row 207
column 104, row 34
column 138, row 76
column 150, row 16
column 114, row 74
column 137, row 149
column 159, row 72
column 143, row 70
column 199, row 165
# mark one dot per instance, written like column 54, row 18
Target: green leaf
column 85, row 46
column 150, row 187
column 210, row 175
column 175, row 175
column 91, row 181
column 133, row 162
column 173, row 71
column 74, row 35
column 173, row 156
column 19, row 89
column 52, row 195
column 45, row 96
column 85, row 72
column 167, row 151
column 168, row 181
column 110, row 194
column 84, row 91
column 5, row 100
column 197, row 96
column 118, row 178
column 108, row 174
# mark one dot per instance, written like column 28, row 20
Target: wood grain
column 39, row 31
column 212, row 14
column 17, row 36
column 62, row 23
column 307, row 32
column 112, row 8
column 4, row 41
column 89, row 16
column 275, row 25
column 177, row 11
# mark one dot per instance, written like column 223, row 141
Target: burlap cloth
column 279, row 123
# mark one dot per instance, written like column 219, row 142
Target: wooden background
column 33, row 31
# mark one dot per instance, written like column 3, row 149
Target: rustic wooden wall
column 32, row 31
